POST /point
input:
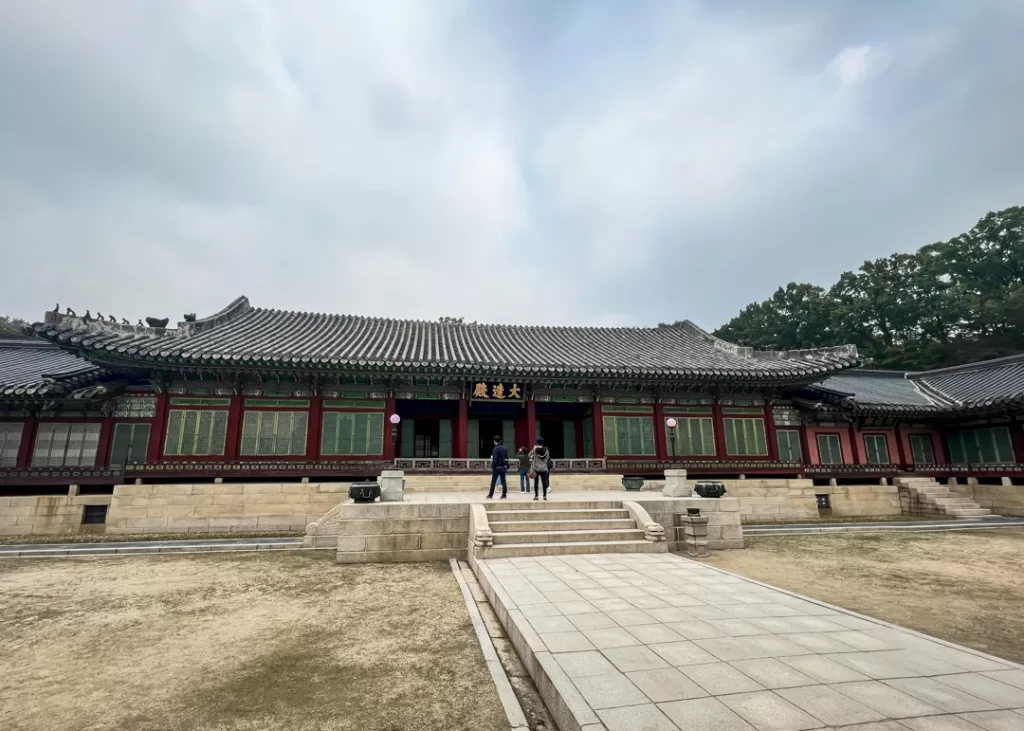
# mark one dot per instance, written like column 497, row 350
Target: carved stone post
column 675, row 484
column 392, row 486
column 695, row 532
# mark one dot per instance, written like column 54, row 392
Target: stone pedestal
column 695, row 532
column 392, row 486
column 675, row 484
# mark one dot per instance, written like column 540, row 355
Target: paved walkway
column 657, row 642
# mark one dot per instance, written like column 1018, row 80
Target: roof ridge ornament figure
column 157, row 322
column 71, row 312
column 87, row 317
column 56, row 309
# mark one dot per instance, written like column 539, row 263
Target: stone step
column 512, row 526
column 970, row 512
column 558, row 514
column 560, row 549
column 552, row 503
column 568, row 536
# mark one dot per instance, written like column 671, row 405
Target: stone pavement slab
column 659, row 641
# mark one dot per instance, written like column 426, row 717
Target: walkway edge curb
column 1010, row 664
column 507, row 696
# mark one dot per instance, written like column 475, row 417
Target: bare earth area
column 962, row 587
column 248, row 641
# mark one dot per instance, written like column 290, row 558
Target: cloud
column 856, row 64
column 584, row 162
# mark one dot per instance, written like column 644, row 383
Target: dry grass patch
column 272, row 642
column 965, row 587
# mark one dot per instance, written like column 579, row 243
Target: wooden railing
column 255, row 468
column 59, row 475
column 418, row 464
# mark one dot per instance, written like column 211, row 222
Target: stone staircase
column 925, row 496
column 557, row 528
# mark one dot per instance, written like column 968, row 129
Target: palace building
column 251, row 393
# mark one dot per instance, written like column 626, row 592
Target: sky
column 590, row 162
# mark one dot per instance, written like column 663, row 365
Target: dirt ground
column 963, row 587
column 273, row 642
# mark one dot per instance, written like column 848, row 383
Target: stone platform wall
column 225, row 508
column 47, row 514
column 389, row 532
column 1007, row 499
column 789, row 501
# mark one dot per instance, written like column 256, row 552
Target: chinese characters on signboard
column 498, row 391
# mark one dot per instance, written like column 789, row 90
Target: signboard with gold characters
column 497, row 391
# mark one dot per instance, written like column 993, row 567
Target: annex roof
column 242, row 336
column 31, row 368
column 971, row 387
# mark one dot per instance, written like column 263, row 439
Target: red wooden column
column 531, row 422
column 28, row 441
column 769, row 434
column 719, row 426
column 901, row 450
column 234, row 436
column 598, row 431
column 103, row 445
column 805, row 445
column 316, row 424
column 854, row 446
column 460, row 448
column 660, row 432
column 156, row 441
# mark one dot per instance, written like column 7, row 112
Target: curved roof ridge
column 238, row 307
column 992, row 362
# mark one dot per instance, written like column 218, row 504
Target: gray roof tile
column 974, row 386
column 241, row 335
column 33, row 368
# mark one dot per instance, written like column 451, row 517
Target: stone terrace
column 657, row 642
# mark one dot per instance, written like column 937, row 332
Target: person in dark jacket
column 540, row 465
column 524, row 469
column 499, row 466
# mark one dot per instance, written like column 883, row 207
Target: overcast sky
column 591, row 162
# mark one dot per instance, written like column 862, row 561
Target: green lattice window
column 789, row 445
column 982, row 446
column 876, row 448
column 349, row 433
column 922, row 449
column 274, row 433
column 695, row 437
column 193, row 433
column 66, row 445
column 10, row 441
column 628, row 435
column 130, row 444
column 745, row 437
column 830, row 449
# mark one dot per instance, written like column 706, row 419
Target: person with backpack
column 499, row 466
column 540, row 468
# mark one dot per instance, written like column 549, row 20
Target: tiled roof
column 241, row 336
column 32, row 368
column 880, row 388
column 978, row 385
column 971, row 387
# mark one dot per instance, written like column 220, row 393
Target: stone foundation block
column 392, row 543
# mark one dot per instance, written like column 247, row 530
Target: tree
column 11, row 327
column 950, row 302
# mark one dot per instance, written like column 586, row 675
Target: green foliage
column 950, row 302
column 10, row 327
